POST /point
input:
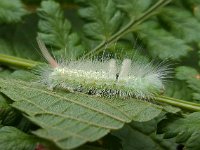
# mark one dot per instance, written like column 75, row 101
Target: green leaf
column 71, row 119
column 183, row 25
column 8, row 116
column 4, row 108
column 86, row 147
column 186, row 130
column 199, row 55
column 128, row 27
column 5, row 47
column 133, row 8
column 104, row 19
column 191, row 76
column 23, row 75
column 186, row 73
column 4, row 72
column 161, row 43
column 11, row 11
column 55, row 31
column 197, row 11
column 16, row 41
column 194, row 6
column 142, row 136
column 178, row 89
column 24, row 41
column 13, row 139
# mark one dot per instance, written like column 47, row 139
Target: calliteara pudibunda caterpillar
column 133, row 78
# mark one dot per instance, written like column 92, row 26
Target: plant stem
column 28, row 64
column 190, row 106
column 18, row 62
column 128, row 27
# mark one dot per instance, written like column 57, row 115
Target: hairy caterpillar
column 106, row 78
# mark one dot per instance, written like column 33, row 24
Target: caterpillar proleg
column 133, row 78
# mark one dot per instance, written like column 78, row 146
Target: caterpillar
column 133, row 78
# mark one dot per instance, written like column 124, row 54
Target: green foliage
column 5, row 47
column 191, row 76
column 195, row 8
column 133, row 8
column 11, row 11
column 8, row 115
column 142, row 136
column 199, row 57
column 13, row 139
column 161, row 43
column 179, row 89
column 99, row 28
column 186, row 130
column 56, row 31
column 70, row 119
column 4, row 109
column 16, row 41
column 183, row 25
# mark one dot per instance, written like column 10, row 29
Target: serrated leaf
column 71, row 119
column 7, row 114
column 133, row 7
column 142, row 136
column 5, row 47
column 23, row 39
column 191, row 76
column 13, row 139
column 161, row 43
column 194, row 6
column 178, row 89
column 104, row 19
column 19, row 42
column 4, row 72
column 186, row 73
column 183, row 25
column 4, row 108
column 55, row 31
column 11, row 11
column 186, row 130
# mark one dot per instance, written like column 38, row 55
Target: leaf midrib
column 63, row 116
column 80, row 104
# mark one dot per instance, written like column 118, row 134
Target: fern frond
column 11, row 11
column 55, row 31
column 105, row 19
